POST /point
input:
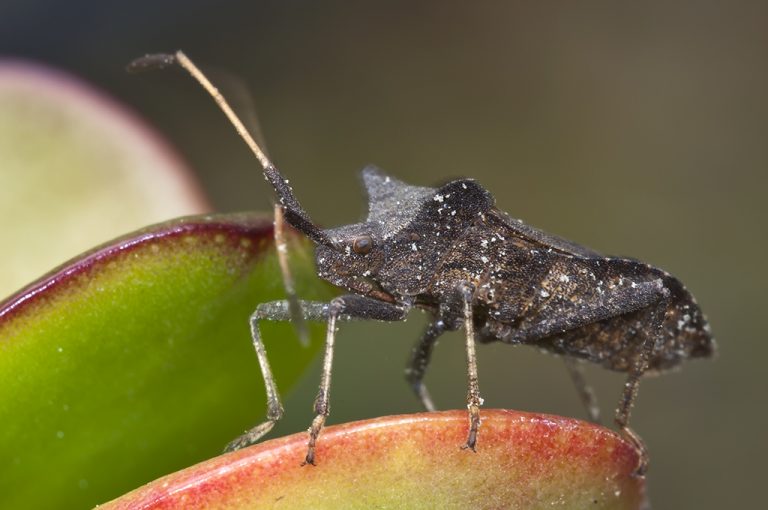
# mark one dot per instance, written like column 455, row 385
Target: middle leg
column 457, row 311
column 473, row 392
column 420, row 357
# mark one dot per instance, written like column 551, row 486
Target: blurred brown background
column 634, row 128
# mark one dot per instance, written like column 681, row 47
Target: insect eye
column 362, row 245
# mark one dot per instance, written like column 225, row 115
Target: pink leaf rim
column 523, row 460
column 254, row 227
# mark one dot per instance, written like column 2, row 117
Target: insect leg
column 473, row 393
column 353, row 306
column 362, row 308
column 648, row 299
column 586, row 394
column 322, row 407
column 279, row 311
column 420, row 356
column 639, row 366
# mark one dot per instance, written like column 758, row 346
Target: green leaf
column 523, row 461
column 135, row 359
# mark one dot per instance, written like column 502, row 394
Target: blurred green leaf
column 77, row 169
column 135, row 359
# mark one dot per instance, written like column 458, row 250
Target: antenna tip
column 150, row 62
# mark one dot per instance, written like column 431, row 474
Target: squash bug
column 450, row 252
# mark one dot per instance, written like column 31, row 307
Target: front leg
column 275, row 311
column 356, row 307
column 351, row 306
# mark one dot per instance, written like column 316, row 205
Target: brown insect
column 450, row 252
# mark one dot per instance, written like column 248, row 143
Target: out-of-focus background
column 636, row 129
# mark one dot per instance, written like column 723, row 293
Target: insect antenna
column 289, row 208
column 294, row 213
column 294, row 306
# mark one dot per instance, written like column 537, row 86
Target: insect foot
column 474, row 425
column 449, row 252
column 635, row 440
column 322, row 405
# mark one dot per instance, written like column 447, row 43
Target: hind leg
column 640, row 364
column 586, row 394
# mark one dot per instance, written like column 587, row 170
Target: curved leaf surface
column 523, row 461
column 135, row 359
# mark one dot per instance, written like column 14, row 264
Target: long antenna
column 294, row 213
column 165, row 60
column 289, row 207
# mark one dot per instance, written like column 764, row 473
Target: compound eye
column 362, row 245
